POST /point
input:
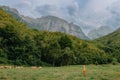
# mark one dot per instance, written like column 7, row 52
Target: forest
column 20, row 45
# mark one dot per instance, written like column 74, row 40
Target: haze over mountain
column 113, row 39
column 101, row 31
column 89, row 14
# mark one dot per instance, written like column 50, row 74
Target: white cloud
column 96, row 13
column 87, row 13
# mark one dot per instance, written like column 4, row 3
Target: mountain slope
column 112, row 41
column 102, row 31
column 50, row 23
column 22, row 46
column 13, row 12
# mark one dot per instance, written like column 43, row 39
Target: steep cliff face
column 50, row 23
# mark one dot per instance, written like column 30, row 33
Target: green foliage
column 67, row 57
column 112, row 44
column 114, row 61
column 3, row 57
column 65, row 41
column 22, row 46
column 54, row 52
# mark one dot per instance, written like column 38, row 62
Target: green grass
column 100, row 72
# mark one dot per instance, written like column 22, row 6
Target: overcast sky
column 89, row 14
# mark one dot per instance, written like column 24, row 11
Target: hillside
column 113, row 42
column 111, row 39
column 20, row 45
column 14, row 12
column 50, row 23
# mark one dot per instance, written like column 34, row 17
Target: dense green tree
column 3, row 57
column 54, row 52
column 22, row 46
column 65, row 41
column 67, row 57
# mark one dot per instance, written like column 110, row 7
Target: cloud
column 97, row 13
column 89, row 14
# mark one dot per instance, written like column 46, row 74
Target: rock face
column 102, row 31
column 50, row 23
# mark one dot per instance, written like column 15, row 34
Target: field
column 75, row 72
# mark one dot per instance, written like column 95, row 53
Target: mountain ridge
column 112, row 43
column 99, row 32
column 31, row 47
column 50, row 23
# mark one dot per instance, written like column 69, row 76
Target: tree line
column 20, row 45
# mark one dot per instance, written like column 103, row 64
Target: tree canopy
column 20, row 45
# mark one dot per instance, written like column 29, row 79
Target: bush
column 114, row 61
column 96, row 63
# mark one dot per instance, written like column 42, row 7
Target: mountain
column 101, row 31
column 112, row 41
column 20, row 45
column 13, row 12
column 50, row 23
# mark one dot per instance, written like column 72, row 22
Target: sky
column 88, row 14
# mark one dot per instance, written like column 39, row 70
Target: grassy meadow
column 75, row 72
